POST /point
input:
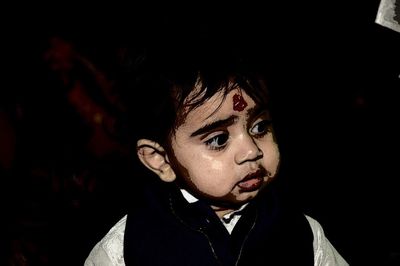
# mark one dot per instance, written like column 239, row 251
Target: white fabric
column 386, row 14
column 188, row 197
column 324, row 253
column 229, row 220
column 109, row 251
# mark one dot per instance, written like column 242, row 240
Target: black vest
column 167, row 230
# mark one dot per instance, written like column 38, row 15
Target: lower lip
column 251, row 184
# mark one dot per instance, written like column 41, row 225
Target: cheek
column 207, row 173
column 196, row 163
column 272, row 158
column 207, row 162
column 202, row 168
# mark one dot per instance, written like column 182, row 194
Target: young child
column 208, row 136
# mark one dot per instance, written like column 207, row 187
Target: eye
column 217, row 142
column 261, row 128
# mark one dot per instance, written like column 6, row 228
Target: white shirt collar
column 229, row 220
column 189, row 197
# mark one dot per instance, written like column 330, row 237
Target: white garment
column 230, row 220
column 386, row 15
column 109, row 251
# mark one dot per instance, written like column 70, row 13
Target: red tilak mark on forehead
column 238, row 102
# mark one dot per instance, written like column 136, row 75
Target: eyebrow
column 214, row 125
column 226, row 122
column 256, row 110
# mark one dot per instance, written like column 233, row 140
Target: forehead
column 204, row 101
column 219, row 106
column 209, row 107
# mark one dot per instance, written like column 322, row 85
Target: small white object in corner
column 389, row 14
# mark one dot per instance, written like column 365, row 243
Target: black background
column 339, row 73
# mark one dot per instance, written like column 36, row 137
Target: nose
column 248, row 150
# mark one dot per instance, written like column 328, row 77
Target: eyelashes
column 220, row 140
column 261, row 128
column 217, row 142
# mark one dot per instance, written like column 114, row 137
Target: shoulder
column 109, row 250
column 325, row 253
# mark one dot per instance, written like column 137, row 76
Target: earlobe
column 154, row 157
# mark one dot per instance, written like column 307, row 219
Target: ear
column 154, row 157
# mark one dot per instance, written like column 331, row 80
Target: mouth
column 252, row 181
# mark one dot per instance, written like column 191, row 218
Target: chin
column 241, row 199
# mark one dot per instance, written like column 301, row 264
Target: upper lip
column 256, row 174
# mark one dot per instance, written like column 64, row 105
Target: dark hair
column 161, row 78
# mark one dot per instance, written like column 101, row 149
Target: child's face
column 228, row 154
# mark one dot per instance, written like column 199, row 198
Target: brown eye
column 261, row 128
column 217, row 142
